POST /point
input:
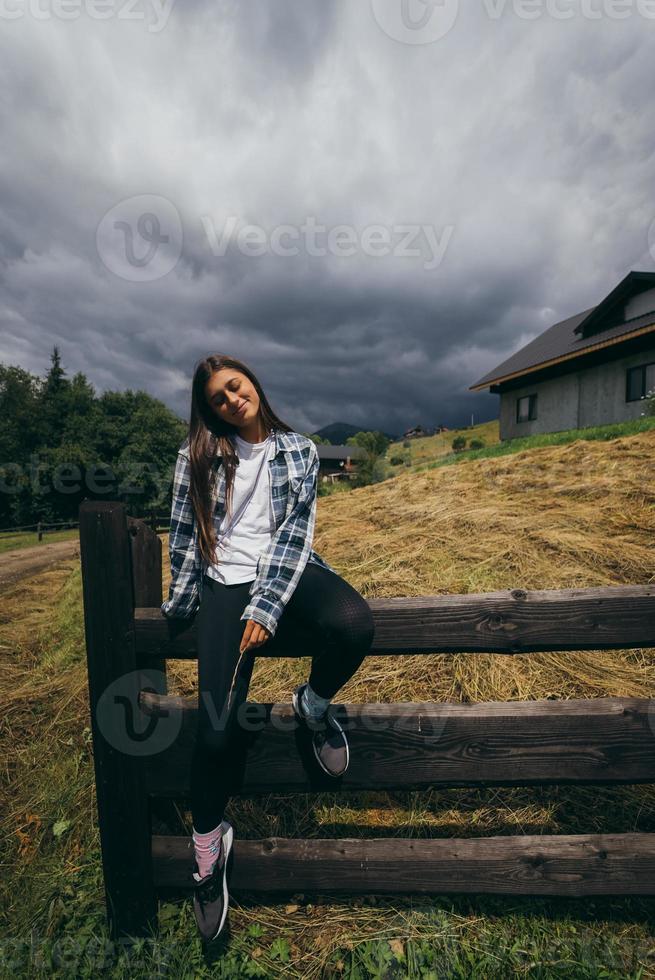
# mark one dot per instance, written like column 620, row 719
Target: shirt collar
column 284, row 443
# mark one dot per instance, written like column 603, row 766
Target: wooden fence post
column 123, row 814
column 145, row 549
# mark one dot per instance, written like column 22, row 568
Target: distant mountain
column 338, row 432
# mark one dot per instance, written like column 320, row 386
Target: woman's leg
column 325, row 618
column 219, row 631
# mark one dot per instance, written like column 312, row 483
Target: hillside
column 428, row 448
column 337, row 432
column 581, row 514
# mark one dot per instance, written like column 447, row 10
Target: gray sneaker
column 211, row 899
column 328, row 738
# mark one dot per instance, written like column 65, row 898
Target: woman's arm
column 285, row 559
column 182, row 599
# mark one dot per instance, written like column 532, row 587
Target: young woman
column 242, row 523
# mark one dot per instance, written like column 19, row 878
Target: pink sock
column 207, row 850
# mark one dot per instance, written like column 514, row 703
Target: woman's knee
column 213, row 739
column 351, row 624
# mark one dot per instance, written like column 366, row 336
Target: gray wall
column 594, row 396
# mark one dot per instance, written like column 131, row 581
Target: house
column 419, row 431
column 337, row 462
column 416, row 433
column 593, row 368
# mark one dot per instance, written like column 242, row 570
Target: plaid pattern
column 293, row 479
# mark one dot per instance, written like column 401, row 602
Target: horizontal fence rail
column 514, row 621
column 42, row 527
column 414, row 746
column 572, row 865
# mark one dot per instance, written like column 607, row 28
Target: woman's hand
column 177, row 625
column 253, row 636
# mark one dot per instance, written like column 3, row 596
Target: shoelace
column 329, row 733
column 208, row 893
column 212, row 887
column 332, row 736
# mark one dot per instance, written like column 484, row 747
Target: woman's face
column 233, row 397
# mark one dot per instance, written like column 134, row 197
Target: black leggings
column 325, row 617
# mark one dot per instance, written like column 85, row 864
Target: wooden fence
column 143, row 740
column 41, row 528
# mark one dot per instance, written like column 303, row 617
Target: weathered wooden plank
column 114, row 685
column 145, row 554
column 145, row 551
column 567, row 865
column 512, row 621
column 416, row 745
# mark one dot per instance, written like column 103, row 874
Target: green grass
column 28, row 539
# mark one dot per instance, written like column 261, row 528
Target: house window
column 526, row 408
column 639, row 381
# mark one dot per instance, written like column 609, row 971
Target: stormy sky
column 372, row 203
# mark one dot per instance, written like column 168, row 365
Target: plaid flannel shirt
column 293, row 480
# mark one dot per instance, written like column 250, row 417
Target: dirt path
column 24, row 562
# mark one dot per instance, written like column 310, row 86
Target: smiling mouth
column 242, row 409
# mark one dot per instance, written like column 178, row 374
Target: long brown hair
column 209, row 439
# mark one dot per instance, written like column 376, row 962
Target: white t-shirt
column 251, row 535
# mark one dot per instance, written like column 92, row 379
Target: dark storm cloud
column 520, row 152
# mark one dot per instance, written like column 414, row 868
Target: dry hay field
column 577, row 515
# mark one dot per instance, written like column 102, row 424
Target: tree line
column 61, row 443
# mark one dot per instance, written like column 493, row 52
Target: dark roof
column 610, row 309
column 339, row 452
column 565, row 340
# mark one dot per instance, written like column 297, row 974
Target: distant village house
column 338, row 462
column 418, row 431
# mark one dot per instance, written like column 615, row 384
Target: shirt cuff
column 170, row 611
column 268, row 617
